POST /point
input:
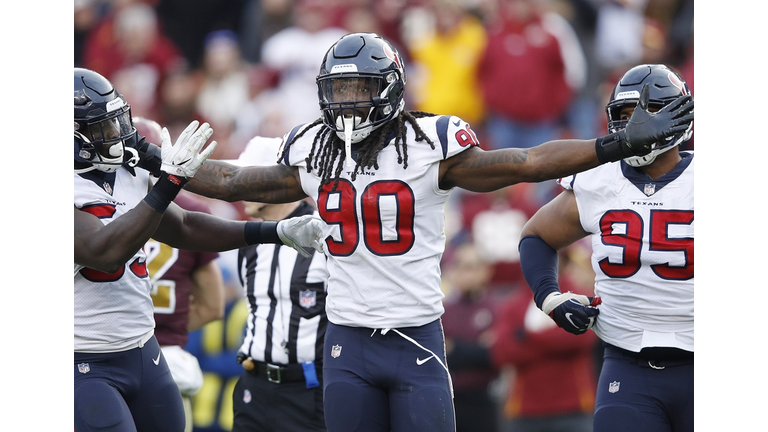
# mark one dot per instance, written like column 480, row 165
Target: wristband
column 261, row 232
column 539, row 264
column 164, row 191
column 612, row 148
column 150, row 157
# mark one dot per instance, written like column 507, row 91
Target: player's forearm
column 560, row 158
column 220, row 180
column 538, row 262
column 216, row 179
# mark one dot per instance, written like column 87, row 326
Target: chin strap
column 134, row 159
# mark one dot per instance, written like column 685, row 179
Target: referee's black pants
column 263, row 406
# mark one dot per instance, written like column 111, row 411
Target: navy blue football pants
column 635, row 396
column 127, row 391
column 387, row 380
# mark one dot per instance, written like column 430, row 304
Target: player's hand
column 302, row 232
column 645, row 129
column 184, row 158
column 575, row 313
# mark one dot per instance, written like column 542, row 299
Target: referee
column 281, row 387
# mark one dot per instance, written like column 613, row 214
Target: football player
column 121, row 379
column 639, row 213
column 381, row 176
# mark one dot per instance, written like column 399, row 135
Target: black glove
column 149, row 154
column 573, row 313
column 645, row 129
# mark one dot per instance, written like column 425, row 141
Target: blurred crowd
column 521, row 72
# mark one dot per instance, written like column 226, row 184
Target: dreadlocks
column 327, row 147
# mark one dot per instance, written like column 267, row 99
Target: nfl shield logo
column 335, row 351
column 84, row 368
column 307, row 298
column 613, row 387
column 247, row 396
column 649, row 189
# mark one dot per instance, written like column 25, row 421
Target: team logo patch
column 307, row 298
column 613, row 387
column 84, row 368
column 649, row 189
column 247, row 396
column 335, row 351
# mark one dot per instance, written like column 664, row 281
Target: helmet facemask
column 369, row 99
column 356, row 104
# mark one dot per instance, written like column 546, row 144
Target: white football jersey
column 113, row 312
column 642, row 252
column 385, row 231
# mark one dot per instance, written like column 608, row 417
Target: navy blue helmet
column 102, row 122
column 361, row 85
column 665, row 86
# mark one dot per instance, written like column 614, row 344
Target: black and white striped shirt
column 286, row 295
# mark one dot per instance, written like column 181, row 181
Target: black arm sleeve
column 538, row 261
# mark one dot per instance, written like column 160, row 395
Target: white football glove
column 575, row 313
column 301, row 232
column 184, row 158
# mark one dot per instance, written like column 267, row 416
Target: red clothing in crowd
column 555, row 370
column 522, row 72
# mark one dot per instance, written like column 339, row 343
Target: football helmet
column 665, row 86
column 360, row 85
column 102, row 123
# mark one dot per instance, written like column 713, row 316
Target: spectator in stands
column 445, row 60
column 467, row 323
column 129, row 48
column 224, row 87
column 553, row 372
column 532, row 66
column 295, row 52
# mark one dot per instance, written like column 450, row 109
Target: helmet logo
column 632, row 94
column 341, row 68
column 676, row 82
column 115, row 104
column 392, row 56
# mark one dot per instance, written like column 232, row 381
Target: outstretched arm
column 200, row 231
column 224, row 181
column 484, row 171
column 478, row 170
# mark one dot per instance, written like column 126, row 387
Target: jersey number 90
column 342, row 211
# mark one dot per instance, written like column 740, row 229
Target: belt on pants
column 290, row 373
column 655, row 358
